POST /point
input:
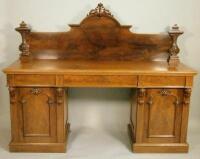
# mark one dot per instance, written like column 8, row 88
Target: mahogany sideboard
column 99, row 52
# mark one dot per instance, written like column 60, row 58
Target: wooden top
column 83, row 67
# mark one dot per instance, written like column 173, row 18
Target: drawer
column 100, row 81
column 161, row 81
column 30, row 80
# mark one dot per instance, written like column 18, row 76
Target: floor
column 91, row 143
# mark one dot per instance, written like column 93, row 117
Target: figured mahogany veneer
column 99, row 37
column 99, row 52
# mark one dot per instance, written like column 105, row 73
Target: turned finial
column 174, row 33
column 24, row 30
column 23, row 27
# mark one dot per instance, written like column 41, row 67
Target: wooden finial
column 174, row 33
column 24, row 30
column 100, row 10
column 23, row 24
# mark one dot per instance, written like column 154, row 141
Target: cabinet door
column 37, row 114
column 162, row 115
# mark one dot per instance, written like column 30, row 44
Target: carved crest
column 100, row 10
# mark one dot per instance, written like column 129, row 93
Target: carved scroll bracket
column 187, row 94
column 174, row 33
column 24, row 30
column 100, row 10
column 12, row 92
column 141, row 96
column 59, row 94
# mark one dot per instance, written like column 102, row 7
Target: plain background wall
column 101, row 107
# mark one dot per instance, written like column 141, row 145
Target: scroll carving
column 187, row 94
column 59, row 93
column 100, row 10
column 174, row 33
column 12, row 92
column 24, row 30
column 141, row 96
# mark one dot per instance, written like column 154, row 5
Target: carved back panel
column 98, row 37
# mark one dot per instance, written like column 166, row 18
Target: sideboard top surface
column 97, row 67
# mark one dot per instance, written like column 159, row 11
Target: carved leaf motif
column 100, row 10
column 165, row 92
column 35, row 91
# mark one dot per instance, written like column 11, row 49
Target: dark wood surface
column 99, row 52
column 99, row 36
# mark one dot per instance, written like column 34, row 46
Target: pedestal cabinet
column 37, row 118
column 159, row 119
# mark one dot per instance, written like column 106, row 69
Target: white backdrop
column 101, row 107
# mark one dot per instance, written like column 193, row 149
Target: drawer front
column 161, row 81
column 100, row 81
column 30, row 80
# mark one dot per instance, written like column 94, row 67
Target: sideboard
column 99, row 52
